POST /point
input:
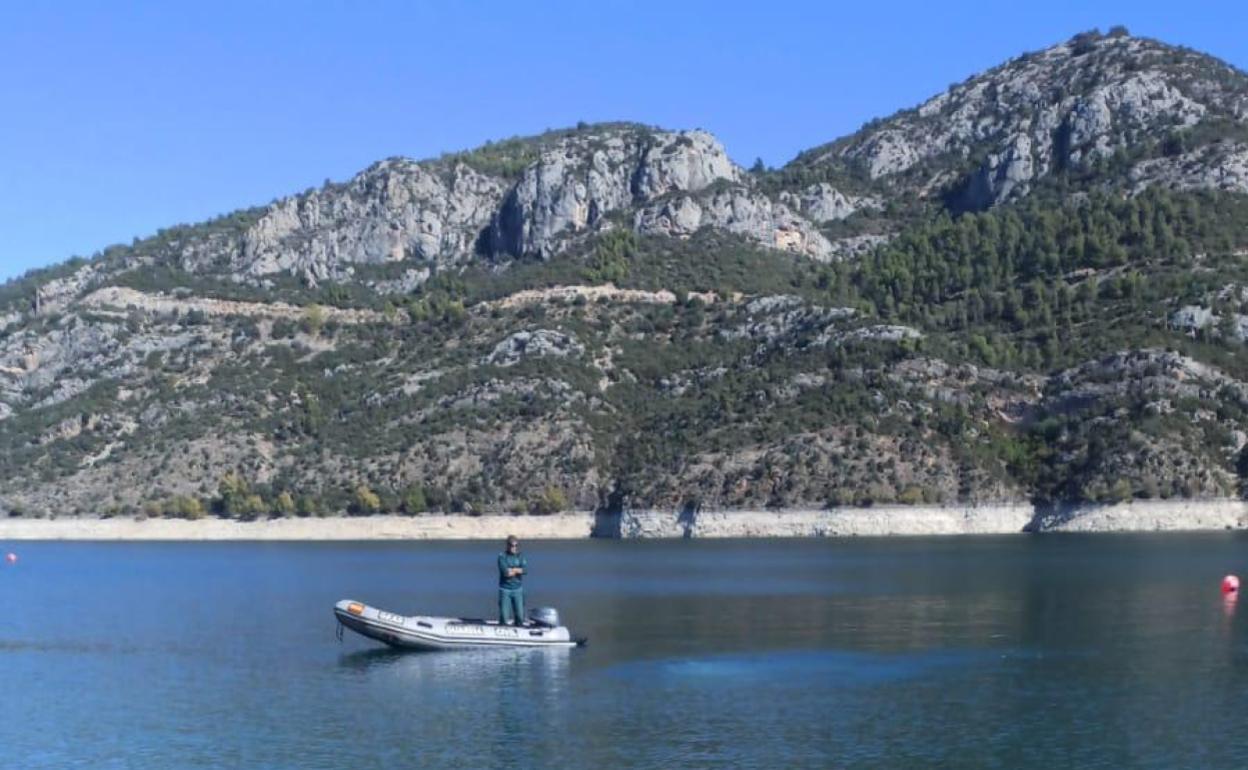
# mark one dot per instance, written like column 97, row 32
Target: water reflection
column 465, row 708
column 546, row 669
column 376, row 658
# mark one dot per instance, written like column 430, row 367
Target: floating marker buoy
column 1230, row 584
column 11, row 558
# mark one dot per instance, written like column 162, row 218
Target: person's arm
column 506, row 571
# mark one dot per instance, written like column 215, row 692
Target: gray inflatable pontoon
column 419, row 632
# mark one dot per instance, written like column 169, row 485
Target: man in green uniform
column 511, row 569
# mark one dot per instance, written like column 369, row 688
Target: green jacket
column 507, row 561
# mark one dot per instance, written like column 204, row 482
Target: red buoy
column 11, row 558
column 1230, row 584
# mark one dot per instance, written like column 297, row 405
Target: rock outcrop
column 397, row 210
column 55, row 295
column 533, row 344
column 1222, row 166
column 575, row 185
column 1067, row 106
column 443, row 214
column 737, row 210
column 822, row 202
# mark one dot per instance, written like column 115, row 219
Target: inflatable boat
column 420, row 632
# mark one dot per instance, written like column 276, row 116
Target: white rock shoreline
column 876, row 521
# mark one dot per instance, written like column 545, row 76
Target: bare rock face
column 1002, row 175
column 405, row 284
column 737, row 210
column 1191, row 318
column 688, row 160
column 55, row 295
column 533, row 344
column 572, row 187
column 854, row 246
column 824, row 203
column 395, row 210
column 39, row 369
column 890, row 152
column 9, row 319
column 1162, row 372
column 1217, row 167
column 30, row 362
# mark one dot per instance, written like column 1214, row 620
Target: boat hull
column 420, row 632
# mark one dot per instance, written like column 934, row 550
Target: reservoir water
column 1053, row 651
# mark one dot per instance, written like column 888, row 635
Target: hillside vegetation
column 1051, row 307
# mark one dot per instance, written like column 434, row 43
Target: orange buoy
column 11, row 558
column 1230, row 584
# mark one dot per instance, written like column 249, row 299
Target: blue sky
column 120, row 118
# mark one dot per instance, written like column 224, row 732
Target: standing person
column 511, row 569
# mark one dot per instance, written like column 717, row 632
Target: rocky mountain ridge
column 617, row 316
column 992, row 137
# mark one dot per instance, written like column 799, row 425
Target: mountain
column 1032, row 286
column 1135, row 111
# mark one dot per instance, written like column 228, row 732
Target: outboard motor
column 545, row 616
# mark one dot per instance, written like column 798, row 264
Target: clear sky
column 120, row 118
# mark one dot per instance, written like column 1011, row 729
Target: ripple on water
column 842, row 668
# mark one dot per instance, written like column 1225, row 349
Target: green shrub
column 552, row 500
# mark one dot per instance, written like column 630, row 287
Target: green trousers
column 509, row 600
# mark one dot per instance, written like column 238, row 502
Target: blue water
column 1071, row 651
